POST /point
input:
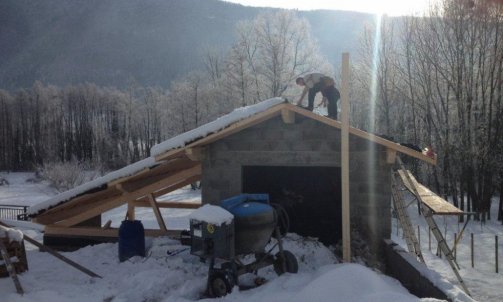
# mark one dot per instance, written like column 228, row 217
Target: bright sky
column 389, row 7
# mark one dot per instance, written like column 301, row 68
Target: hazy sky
column 390, row 7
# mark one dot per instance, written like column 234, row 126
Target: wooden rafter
column 157, row 212
column 132, row 186
column 81, row 200
column 53, row 217
column 115, row 202
column 365, row 135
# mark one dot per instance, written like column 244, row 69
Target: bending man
column 317, row 82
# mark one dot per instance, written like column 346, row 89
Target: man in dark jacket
column 317, row 82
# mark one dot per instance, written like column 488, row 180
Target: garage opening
column 310, row 195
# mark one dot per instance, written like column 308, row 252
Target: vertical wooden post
column 346, row 239
column 471, row 248
column 130, row 210
column 496, row 252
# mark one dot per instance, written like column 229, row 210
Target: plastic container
column 131, row 239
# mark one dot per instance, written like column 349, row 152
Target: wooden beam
column 167, row 205
column 157, row 212
column 195, row 153
column 288, row 116
column 103, row 207
column 390, row 156
column 53, row 217
column 98, row 232
column 133, row 185
column 177, row 186
column 346, row 223
column 79, row 201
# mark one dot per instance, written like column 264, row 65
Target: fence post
column 429, row 238
column 471, row 247
column 419, row 236
column 455, row 246
column 496, row 252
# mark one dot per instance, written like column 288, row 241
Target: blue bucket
column 131, row 239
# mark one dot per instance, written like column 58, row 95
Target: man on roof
column 317, row 82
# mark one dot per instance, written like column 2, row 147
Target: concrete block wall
column 305, row 143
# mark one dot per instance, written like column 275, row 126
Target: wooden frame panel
column 115, row 202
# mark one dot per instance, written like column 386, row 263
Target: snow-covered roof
column 212, row 127
column 173, row 143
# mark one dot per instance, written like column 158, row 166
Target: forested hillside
column 151, row 43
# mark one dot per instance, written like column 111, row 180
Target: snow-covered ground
column 482, row 281
column 170, row 273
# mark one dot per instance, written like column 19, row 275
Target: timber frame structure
column 171, row 170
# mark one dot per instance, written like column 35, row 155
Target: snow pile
column 453, row 292
column 212, row 214
column 212, row 127
column 171, row 273
column 11, row 234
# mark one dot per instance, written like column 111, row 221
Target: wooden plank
column 167, row 205
column 178, row 185
column 79, row 201
column 131, row 186
column 10, row 268
column 51, row 218
column 163, row 167
column 390, row 156
column 98, row 232
column 165, row 182
column 56, row 254
column 236, row 127
column 288, row 116
column 61, row 257
column 346, row 223
column 435, row 203
column 157, row 212
column 126, row 178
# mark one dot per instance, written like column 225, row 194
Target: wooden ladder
column 428, row 216
column 10, row 268
column 403, row 217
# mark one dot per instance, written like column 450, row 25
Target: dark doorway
column 310, row 195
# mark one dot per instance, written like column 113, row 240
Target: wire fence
column 477, row 250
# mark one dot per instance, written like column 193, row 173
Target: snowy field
column 482, row 280
column 170, row 273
